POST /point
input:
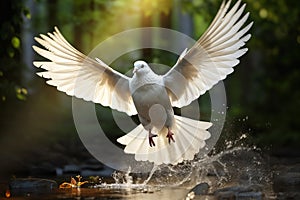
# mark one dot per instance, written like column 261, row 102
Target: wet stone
column 250, row 195
column 239, row 192
column 287, row 184
column 201, row 189
column 288, row 195
column 32, row 183
column 225, row 195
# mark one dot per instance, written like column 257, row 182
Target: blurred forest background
column 36, row 125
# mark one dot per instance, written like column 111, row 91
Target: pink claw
column 170, row 136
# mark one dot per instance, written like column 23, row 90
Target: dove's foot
column 151, row 136
column 170, row 136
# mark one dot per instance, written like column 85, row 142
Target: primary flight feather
column 162, row 137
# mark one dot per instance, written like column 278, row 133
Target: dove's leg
column 170, row 136
column 151, row 136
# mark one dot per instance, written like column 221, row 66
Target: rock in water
column 287, row 182
column 239, row 192
column 32, row 183
column 287, row 185
column 201, row 189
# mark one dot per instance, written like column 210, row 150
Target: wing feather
column 212, row 58
column 78, row 75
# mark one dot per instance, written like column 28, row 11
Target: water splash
column 190, row 173
column 240, row 166
column 125, row 183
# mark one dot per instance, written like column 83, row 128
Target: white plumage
column 162, row 137
column 190, row 136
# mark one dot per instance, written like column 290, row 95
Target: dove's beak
column 134, row 70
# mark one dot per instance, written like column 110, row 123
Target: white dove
column 162, row 137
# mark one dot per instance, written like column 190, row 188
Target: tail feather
column 189, row 136
column 134, row 139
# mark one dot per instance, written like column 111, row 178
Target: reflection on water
column 238, row 166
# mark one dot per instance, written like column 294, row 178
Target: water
column 238, row 166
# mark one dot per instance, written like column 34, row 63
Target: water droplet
column 243, row 136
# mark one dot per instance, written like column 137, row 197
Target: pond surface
column 97, row 193
column 237, row 173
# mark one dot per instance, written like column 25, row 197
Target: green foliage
column 15, row 41
column 151, row 7
column 10, row 55
column 21, row 93
column 275, row 40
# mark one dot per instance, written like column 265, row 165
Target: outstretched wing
column 78, row 75
column 211, row 59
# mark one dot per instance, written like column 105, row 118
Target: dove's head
column 141, row 67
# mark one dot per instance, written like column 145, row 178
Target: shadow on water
column 236, row 173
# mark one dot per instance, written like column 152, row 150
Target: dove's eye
column 142, row 66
